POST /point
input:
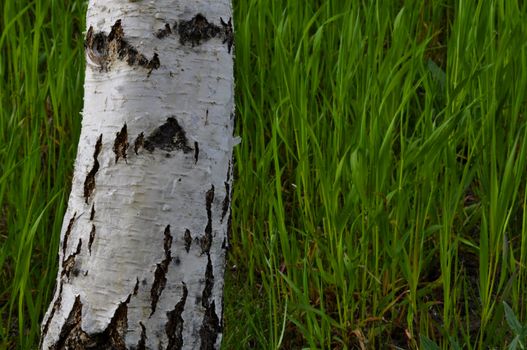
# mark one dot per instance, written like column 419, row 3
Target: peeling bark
column 159, row 91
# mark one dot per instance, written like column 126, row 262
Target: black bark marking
column 196, row 151
column 206, row 240
column 226, row 201
column 92, row 213
column 141, row 344
column 139, row 142
column 69, row 263
column 160, row 278
column 228, row 194
column 160, row 281
column 56, row 306
column 210, row 328
column 102, row 49
column 67, row 235
column 227, row 33
column 198, row 28
column 117, row 328
column 154, row 63
column 136, row 287
column 229, row 227
column 229, row 168
column 188, row 240
column 89, row 183
column 209, row 283
column 120, row 144
column 167, row 244
column 174, row 326
column 168, row 137
column 162, row 33
column 71, row 335
column 96, row 47
column 92, row 237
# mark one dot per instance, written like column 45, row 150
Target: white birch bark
column 144, row 237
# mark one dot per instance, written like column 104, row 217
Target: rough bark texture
column 142, row 249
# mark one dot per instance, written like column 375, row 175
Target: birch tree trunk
column 143, row 242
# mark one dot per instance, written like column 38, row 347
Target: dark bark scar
column 210, row 327
column 227, row 33
column 136, row 287
column 141, row 344
column 56, row 306
column 188, row 240
column 72, row 337
column 168, row 137
column 139, row 142
column 160, row 279
column 89, row 183
column 198, row 29
column 206, row 240
column 227, row 199
column 69, row 263
column 102, row 49
column 92, row 213
column 92, row 238
column 174, row 326
column 196, row 152
column 120, row 144
column 67, row 235
column 164, row 32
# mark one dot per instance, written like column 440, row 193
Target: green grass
column 380, row 184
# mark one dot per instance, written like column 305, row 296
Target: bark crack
column 89, row 183
column 210, row 327
column 56, row 306
column 206, row 240
column 92, row 238
column 141, row 344
column 174, row 326
column 67, row 235
column 196, row 152
column 160, row 278
column 188, row 240
column 121, row 144
column 69, row 263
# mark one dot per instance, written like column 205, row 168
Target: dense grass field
column 380, row 196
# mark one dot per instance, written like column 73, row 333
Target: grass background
column 379, row 196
